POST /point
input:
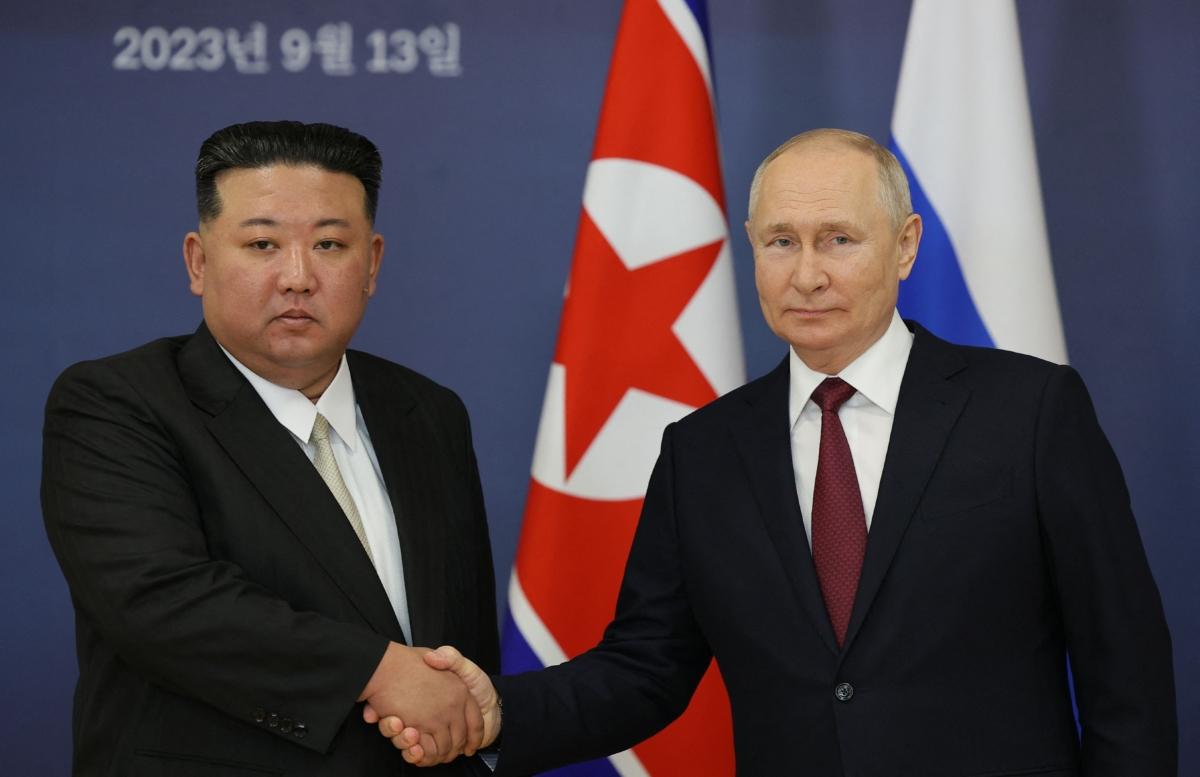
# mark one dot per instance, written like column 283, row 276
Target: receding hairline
column 894, row 194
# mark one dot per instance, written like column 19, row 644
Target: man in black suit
column 255, row 523
column 891, row 585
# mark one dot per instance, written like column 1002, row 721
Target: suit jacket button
column 299, row 731
column 273, row 720
column 285, row 725
column 843, row 692
column 259, row 714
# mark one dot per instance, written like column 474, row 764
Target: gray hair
column 893, row 185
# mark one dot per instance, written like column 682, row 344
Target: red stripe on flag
column 570, row 562
column 617, row 333
column 656, row 106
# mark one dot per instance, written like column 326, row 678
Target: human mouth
column 809, row 312
column 294, row 317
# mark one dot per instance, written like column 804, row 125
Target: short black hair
column 263, row 143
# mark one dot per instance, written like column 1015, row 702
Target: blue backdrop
column 485, row 114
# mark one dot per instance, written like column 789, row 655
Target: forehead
column 298, row 189
column 821, row 179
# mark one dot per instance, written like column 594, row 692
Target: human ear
column 195, row 261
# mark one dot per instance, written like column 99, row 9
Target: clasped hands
column 433, row 705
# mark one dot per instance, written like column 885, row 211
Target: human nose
column 808, row 272
column 296, row 275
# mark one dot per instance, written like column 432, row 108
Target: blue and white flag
column 962, row 130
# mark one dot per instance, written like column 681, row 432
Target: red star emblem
column 616, row 333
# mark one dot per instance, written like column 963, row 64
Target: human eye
column 782, row 242
column 838, row 239
column 261, row 244
column 328, row 244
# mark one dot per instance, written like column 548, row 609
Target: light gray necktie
column 327, row 467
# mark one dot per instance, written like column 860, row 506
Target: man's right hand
column 436, row 704
column 415, row 743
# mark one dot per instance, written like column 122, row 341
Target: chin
column 809, row 338
column 292, row 357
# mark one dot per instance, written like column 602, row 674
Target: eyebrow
column 837, row 226
column 263, row 221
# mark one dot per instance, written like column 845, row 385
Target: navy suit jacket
column 226, row 615
column 1002, row 540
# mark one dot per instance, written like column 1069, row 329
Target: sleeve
column 1119, row 647
column 638, row 679
column 128, row 534
column 484, row 595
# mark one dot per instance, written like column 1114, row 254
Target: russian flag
column 962, row 130
column 649, row 332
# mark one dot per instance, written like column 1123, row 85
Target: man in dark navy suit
column 890, row 544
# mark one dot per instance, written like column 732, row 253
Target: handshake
column 433, row 705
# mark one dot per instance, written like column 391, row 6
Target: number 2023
column 180, row 49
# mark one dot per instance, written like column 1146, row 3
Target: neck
column 315, row 386
column 311, row 381
column 829, row 363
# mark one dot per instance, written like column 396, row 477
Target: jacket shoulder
column 767, row 391
column 137, row 366
column 984, row 367
column 377, row 373
column 162, row 350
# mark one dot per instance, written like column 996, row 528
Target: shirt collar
column 876, row 374
column 297, row 413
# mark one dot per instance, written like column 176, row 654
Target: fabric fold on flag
column 962, row 130
column 649, row 332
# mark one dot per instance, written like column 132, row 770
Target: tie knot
column 831, row 394
column 320, row 430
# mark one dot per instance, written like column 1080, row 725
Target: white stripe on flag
column 685, row 24
column 962, row 120
column 544, row 646
column 536, row 635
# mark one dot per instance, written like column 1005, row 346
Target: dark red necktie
column 839, row 525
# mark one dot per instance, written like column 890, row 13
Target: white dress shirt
column 355, row 457
column 866, row 417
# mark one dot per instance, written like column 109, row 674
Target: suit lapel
column 764, row 442
column 403, row 444
column 926, row 411
column 278, row 469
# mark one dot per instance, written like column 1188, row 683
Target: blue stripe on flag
column 515, row 653
column 598, row 768
column 516, row 656
column 699, row 9
column 936, row 294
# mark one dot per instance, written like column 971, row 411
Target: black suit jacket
column 226, row 615
column 1002, row 539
